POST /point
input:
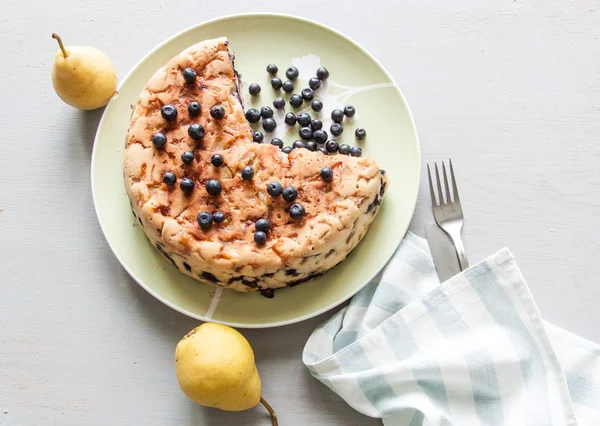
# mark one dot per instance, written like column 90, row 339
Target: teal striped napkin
column 472, row 351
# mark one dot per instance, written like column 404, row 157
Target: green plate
column 356, row 78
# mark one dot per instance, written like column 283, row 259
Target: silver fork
column 448, row 212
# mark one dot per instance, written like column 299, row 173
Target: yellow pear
column 83, row 76
column 215, row 367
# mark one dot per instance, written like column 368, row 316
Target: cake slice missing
column 201, row 211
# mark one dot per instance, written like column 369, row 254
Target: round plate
column 356, row 78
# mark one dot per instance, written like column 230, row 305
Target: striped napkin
column 472, row 351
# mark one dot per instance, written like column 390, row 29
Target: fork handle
column 460, row 252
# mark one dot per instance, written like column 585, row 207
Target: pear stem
column 270, row 410
column 60, row 44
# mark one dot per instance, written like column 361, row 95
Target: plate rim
column 226, row 18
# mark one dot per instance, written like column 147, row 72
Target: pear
column 215, row 367
column 83, row 76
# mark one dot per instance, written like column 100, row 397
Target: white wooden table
column 509, row 89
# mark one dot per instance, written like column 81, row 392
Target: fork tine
column 439, row 184
column 446, row 183
column 432, row 193
column 454, row 187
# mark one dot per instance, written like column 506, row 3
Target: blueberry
column 286, row 149
column 344, row 149
column 260, row 237
column 253, row 115
column 316, row 124
column 186, row 185
column 159, row 140
column 326, row 174
column 194, row 109
column 290, row 119
column 305, row 133
column 289, row 193
column 277, row 142
column 336, row 129
column 218, row 217
column 269, row 124
column 276, row 83
column 272, row 69
column 296, row 101
column 311, row 146
column 332, row 145
column 266, row 112
column 262, row 225
column 314, row 83
column 217, row 112
column 188, row 157
column 349, row 111
column 247, row 173
column 337, row 115
column 254, row 89
column 297, row 211
column 279, row 103
column 360, row 134
column 323, row 150
column 298, row 144
column 320, row 136
column 269, row 293
column 356, row 151
column 169, row 178
column 205, row 220
column 189, row 75
column 169, row 112
column 292, row 73
column 274, row 189
column 322, row 73
column 316, row 105
column 216, row 160
column 196, row 131
column 304, row 119
column 213, row 187
column 308, row 94
column 257, row 136
column 288, row 86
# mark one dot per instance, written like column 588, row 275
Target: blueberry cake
column 229, row 211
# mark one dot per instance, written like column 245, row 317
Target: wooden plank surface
column 509, row 89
